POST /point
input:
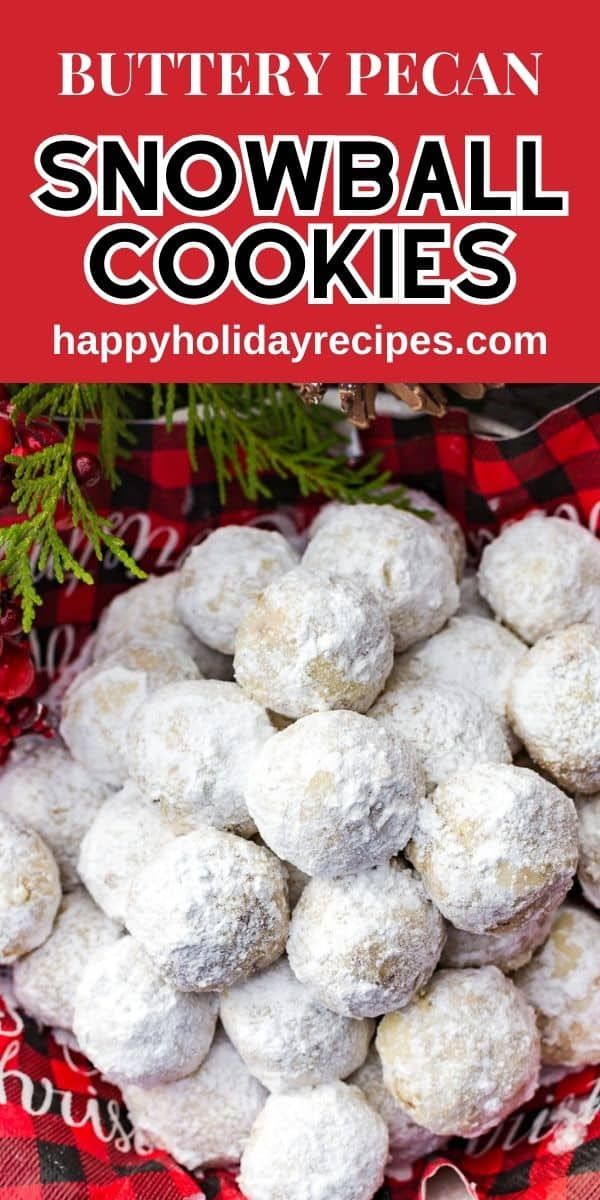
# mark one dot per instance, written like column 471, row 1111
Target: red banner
column 195, row 194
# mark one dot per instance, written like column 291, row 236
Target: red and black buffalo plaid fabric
column 64, row 1134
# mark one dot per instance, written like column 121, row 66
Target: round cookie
column 365, row 944
column 125, row 834
column 478, row 654
column 399, row 557
column 432, row 1052
column 408, row 1141
column 136, row 1028
column 554, row 705
column 29, row 890
column 335, row 793
column 203, row 1120
column 448, row 727
column 285, row 1037
column 46, row 980
column 312, row 642
column 542, row 574
column 418, row 502
column 223, row 576
column 495, row 845
column 210, row 910
column 146, row 611
column 101, row 701
column 327, row 1135
column 588, row 870
column 51, row 793
column 507, row 949
column 562, row 982
column 190, row 747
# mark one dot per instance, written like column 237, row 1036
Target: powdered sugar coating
column 285, row 1037
column 507, row 949
column 463, row 1055
column 335, row 793
column 562, row 982
column 29, row 890
column 46, row 980
column 125, row 835
column 441, row 520
column 312, row 642
column 554, row 705
column 222, row 577
column 542, row 574
column 365, row 944
column 49, row 792
column 494, row 845
column 408, row 1141
column 147, row 611
column 191, row 745
column 321, row 1143
column 588, row 870
column 448, row 727
column 101, row 701
column 205, row 1119
column 210, row 909
column 134, row 1026
column 478, row 654
column 399, row 557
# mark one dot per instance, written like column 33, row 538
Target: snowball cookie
column 29, row 890
column 126, row 833
column 416, row 500
column 463, row 1055
column 321, row 1143
column 191, row 745
column 285, row 1037
column 46, row 980
column 542, row 574
column 507, row 949
column 495, row 845
column 222, row 577
column 314, row 641
column 446, row 525
column 448, row 727
column 562, row 982
column 101, row 701
column 49, row 792
column 147, row 611
column 335, row 793
column 408, row 1141
column 588, row 870
column 133, row 1025
column 203, row 1120
column 476, row 653
column 210, row 910
column 364, row 944
column 554, row 705
column 399, row 556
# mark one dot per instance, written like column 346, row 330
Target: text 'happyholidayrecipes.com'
column 235, row 341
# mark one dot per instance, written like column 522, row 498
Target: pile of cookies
column 298, row 874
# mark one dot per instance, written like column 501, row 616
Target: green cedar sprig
column 252, row 431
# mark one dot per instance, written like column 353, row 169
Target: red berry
column 7, row 435
column 10, row 620
column 87, row 469
column 26, row 713
column 16, row 671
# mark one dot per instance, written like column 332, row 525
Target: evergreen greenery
column 251, row 430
